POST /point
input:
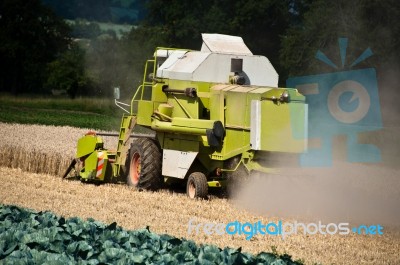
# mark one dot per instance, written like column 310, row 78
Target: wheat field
column 32, row 158
column 41, row 149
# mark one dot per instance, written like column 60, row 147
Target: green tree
column 120, row 62
column 366, row 23
column 137, row 47
column 126, row 11
column 82, row 28
column 370, row 24
column 259, row 23
column 32, row 36
column 68, row 72
column 255, row 21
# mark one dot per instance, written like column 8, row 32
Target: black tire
column 144, row 165
column 197, row 186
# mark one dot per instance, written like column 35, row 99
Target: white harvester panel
column 177, row 163
column 255, row 125
column 213, row 63
column 220, row 43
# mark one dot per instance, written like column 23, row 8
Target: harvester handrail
column 146, row 83
column 119, row 103
column 133, row 98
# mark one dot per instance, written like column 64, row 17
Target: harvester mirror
column 116, row 93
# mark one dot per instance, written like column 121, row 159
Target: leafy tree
column 68, row 73
column 127, row 11
column 65, row 9
column 366, row 23
column 371, row 24
column 81, row 28
column 106, row 63
column 98, row 10
column 32, row 36
column 180, row 24
column 259, row 23
column 137, row 47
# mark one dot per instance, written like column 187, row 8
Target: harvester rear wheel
column 197, row 186
column 144, row 165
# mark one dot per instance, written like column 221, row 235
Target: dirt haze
column 361, row 194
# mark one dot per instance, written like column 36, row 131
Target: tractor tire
column 144, row 165
column 197, row 186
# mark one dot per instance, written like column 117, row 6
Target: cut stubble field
column 30, row 146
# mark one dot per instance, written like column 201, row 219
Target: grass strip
column 99, row 114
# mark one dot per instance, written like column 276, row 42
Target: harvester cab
column 212, row 113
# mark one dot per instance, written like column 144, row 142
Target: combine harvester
column 212, row 112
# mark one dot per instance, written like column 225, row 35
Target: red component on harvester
column 91, row 133
column 100, row 164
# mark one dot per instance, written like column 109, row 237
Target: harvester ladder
column 127, row 124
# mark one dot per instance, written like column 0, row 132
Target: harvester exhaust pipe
column 189, row 91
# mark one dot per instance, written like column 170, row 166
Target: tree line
column 116, row 11
column 41, row 52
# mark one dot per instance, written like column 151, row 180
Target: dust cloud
column 345, row 192
column 355, row 193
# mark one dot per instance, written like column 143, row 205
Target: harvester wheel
column 197, row 186
column 144, row 165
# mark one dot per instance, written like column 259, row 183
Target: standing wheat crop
column 40, row 149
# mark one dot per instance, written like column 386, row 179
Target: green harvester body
column 206, row 109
